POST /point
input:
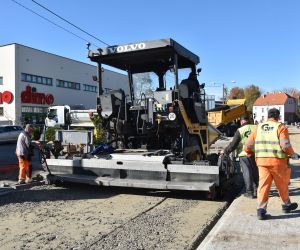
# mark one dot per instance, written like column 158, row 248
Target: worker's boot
column 28, row 181
column 261, row 213
column 249, row 195
column 286, row 208
column 21, row 181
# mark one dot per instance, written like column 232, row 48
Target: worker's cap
column 273, row 113
column 28, row 127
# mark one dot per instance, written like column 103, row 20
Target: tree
column 98, row 133
column 236, row 93
column 142, row 85
column 225, row 93
column 293, row 93
column 252, row 92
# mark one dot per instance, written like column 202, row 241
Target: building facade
column 286, row 104
column 31, row 80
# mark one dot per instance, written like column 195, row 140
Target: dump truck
column 225, row 117
column 156, row 141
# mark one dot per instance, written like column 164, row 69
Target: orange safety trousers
column 281, row 175
column 24, row 168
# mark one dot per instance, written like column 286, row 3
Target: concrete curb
column 225, row 219
column 239, row 227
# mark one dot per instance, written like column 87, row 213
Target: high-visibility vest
column 244, row 131
column 267, row 143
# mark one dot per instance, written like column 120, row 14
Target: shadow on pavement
column 73, row 191
column 291, row 215
column 51, row 193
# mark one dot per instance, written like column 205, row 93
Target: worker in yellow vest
column 271, row 144
column 247, row 163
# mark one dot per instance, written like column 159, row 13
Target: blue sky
column 250, row 42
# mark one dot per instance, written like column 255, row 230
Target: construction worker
column 271, row 144
column 23, row 151
column 247, row 163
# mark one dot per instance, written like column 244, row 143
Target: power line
column 48, row 20
column 52, row 12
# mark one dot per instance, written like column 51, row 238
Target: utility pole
column 223, row 88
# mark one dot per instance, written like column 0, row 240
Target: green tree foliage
column 50, row 134
column 98, row 136
column 298, row 112
column 252, row 92
column 236, row 93
column 36, row 134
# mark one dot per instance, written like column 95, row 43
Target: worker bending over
column 271, row 144
column 247, row 163
column 23, row 151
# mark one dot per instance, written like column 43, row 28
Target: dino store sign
column 6, row 97
column 30, row 95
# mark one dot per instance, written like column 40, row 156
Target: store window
column 36, row 79
column 33, row 114
column 89, row 88
column 67, row 84
column 1, row 80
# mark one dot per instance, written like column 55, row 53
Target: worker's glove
column 295, row 156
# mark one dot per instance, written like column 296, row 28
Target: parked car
column 9, row 133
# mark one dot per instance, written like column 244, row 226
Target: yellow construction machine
column 225, row 117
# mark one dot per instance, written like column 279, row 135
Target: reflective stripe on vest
column 267, row 143
column 244, row 131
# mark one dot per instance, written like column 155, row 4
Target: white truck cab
column 64, row 116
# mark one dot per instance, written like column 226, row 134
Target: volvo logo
column 267, row 128
column 126, row 48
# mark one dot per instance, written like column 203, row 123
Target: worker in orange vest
column 271, row 144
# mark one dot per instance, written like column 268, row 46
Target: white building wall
column 260, row 113
column 40, row 63
column 16, row 59
column 7, row 71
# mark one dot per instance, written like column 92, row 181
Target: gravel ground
column 85, row 217
column 89, row 217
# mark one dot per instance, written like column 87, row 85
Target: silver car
column 9, row 133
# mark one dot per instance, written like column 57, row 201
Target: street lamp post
column 223, row 87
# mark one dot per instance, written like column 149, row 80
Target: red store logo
column 6, row 96
column 31, row 96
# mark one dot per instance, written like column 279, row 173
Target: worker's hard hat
column 273, row 113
